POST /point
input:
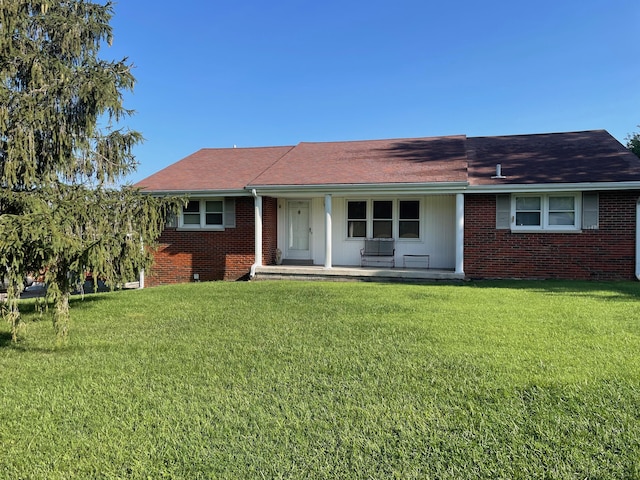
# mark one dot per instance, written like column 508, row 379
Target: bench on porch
column 378, row 251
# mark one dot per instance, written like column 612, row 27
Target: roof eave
column 198, row 193
column 360, row 188
column 553, row 187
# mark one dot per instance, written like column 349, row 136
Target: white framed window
column 382, row 219
column 395, row 218
column 552, row 211
column 209, row 213
column 409, row 219
column 356, row 219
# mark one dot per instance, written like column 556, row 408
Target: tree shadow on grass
column 610, row 291
column 5, row 340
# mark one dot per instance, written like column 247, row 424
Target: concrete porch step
column 371, row 274
column 289, row 261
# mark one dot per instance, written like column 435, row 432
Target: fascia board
column 377, row 188
column 404, row 188
column 553, row 187
column 198, row 193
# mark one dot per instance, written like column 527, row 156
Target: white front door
column 298, row 230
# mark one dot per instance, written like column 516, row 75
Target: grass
column 329, row 380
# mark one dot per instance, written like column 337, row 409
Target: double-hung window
column 409, row 219
column 357, row 219
column 546, row 212
column 214, row 213
column 528, row 211
column 382, row 219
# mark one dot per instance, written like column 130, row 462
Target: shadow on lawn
column 5, row 339
column 611, row 291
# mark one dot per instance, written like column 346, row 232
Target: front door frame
column 291, row 252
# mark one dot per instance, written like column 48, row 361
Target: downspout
column 638, row 239
column 258, row 234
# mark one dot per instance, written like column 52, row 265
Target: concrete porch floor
column 370, row 274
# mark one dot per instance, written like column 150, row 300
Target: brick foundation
column 604, row 254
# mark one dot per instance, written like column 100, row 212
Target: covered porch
column 323, row 244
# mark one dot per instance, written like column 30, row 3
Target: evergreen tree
column 62, row 152
column 633, row 143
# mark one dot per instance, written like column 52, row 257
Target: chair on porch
column 378, row 252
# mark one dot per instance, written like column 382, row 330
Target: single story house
column 557, row 205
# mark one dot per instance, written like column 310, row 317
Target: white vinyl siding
column 437, row 224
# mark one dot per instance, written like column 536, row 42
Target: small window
column 357, row 219
column 191, row 213
column 382, row 219
column 409, row 219
column 562, row 211
column 209, row 213
column 214, row 212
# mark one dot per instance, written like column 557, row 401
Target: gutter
column 198, row 193
column 361, row 189
column 552, row 187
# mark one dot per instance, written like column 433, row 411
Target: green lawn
column 329, row 380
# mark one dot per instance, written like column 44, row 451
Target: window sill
column 548, row 230
column 200, row 229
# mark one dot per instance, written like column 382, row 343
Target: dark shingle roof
column 575, row 157
column 413, row 160
column 214, row 169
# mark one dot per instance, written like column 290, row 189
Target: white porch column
column 327, row 232
column 258, row 228
column 460, row 233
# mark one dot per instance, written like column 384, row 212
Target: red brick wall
column 604, row 254
column 224, row 255
column 269, row 230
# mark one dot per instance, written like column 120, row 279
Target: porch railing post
column 327, row 232
column 460, row 233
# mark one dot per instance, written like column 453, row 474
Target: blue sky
column 269, row 72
